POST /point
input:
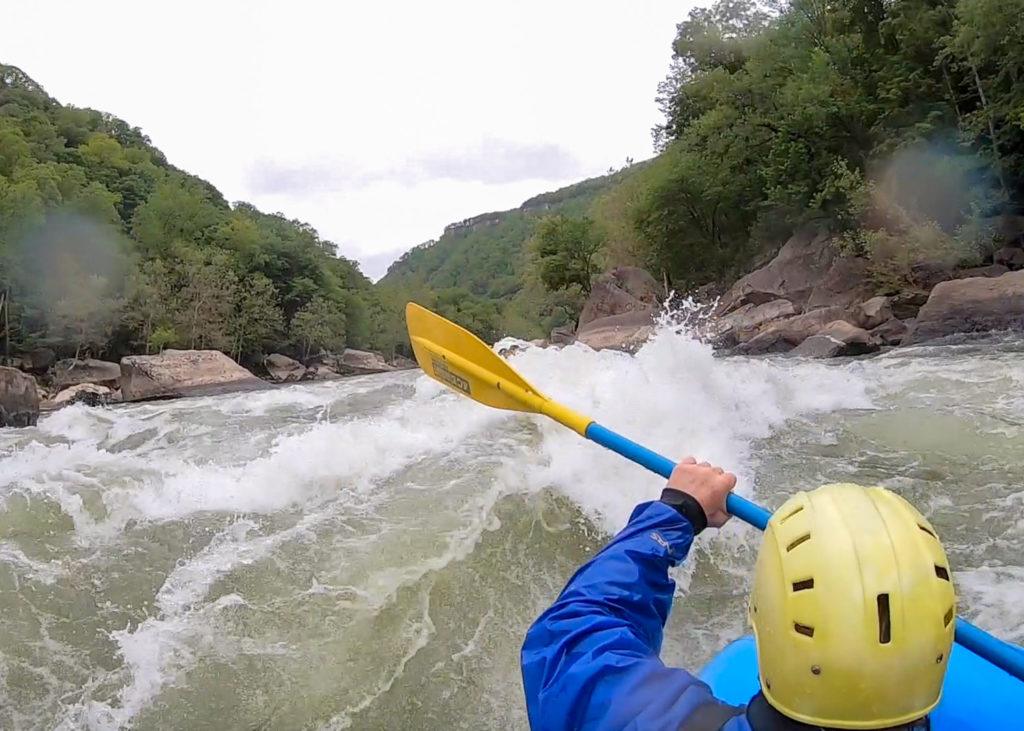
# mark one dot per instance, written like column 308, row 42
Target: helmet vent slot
column 802, row 585
column 928, row 531
column 803, row 629
column 942, row 572
column 884, row 624
column 793, row 512
column 948, row 618
column 802, row 539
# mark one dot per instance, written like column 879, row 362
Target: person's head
column 853, row 609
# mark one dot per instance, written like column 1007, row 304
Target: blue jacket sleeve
column 591, row 661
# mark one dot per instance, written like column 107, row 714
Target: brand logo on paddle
column 452, row 379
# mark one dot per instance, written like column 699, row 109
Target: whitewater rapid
column 367, row 553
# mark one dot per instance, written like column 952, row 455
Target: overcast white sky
column 377, row 122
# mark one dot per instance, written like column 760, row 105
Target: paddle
column 467, row 365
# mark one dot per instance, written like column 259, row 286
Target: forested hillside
column 479, row 273
column 899, row 124
column 106, row 248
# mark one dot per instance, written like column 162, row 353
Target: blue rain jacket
column 591, row 661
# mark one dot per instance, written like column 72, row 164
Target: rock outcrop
column 359, row 362
column 562, row 336
column 282, row 369
column 19, row 399
column 38, row 360
column 182, row 373
column 616, row 292
column 627, row 331
column 783, row 335
column 791, row 275
column 742, row 324
column 86, row 393
column 971, row 305
column 71, row 372
column 1010, row 257
column 836, row 339
column 618, row 314
column 874, row 312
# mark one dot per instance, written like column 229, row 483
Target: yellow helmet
column 852, row 609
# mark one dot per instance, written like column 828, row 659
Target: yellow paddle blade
column 460, row 360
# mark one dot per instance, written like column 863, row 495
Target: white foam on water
column 675, row 397
column 168, row 463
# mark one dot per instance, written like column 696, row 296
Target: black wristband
column 687, row 506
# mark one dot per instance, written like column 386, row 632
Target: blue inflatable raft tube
column 976, row 694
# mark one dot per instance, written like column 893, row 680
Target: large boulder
column 836, row 339
column 19, row 399
column 1010, row 257
column 38, row 360
column 354, row 362
column 85, row 393
column 874, row 312
column 906, row 304
column 621, row 290
column 72, row 371
column 796, row 270
column 891, row 332
column 743, row 323
column 562, row 336
column 282, row 369
column 627, row 331
column 321, row 372
column 182, row 373
column 845, row 283
column 969, row 306
column 784, row 335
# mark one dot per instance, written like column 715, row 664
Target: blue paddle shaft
column 742, row 508
column 1001, row 654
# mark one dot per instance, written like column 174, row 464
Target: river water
column 368, row 553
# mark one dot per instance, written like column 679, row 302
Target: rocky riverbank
column 812, row 300
column 37, row 381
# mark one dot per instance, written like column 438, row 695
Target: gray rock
column 87, row 393
column 819, row 346
column 845, row 283
column 39, row 360
column 354, row 362
column 874, row 312
column 784, row 335
column 321, row 372
column 906, row 304
column 890, row 332
column 19, row 398
column 282, row 369
column 1009, row 256
column 838, row 338
column 71, row 372
column 626, row 332
column 969, row 306
column 796, row 270
column 563, row 336
column 175, row 373
column 621, row 290
column 743, row 323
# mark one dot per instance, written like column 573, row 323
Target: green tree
column 319, row 323
column 565, row 250
column 255, row 317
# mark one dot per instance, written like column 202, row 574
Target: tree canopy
column 107, row 248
